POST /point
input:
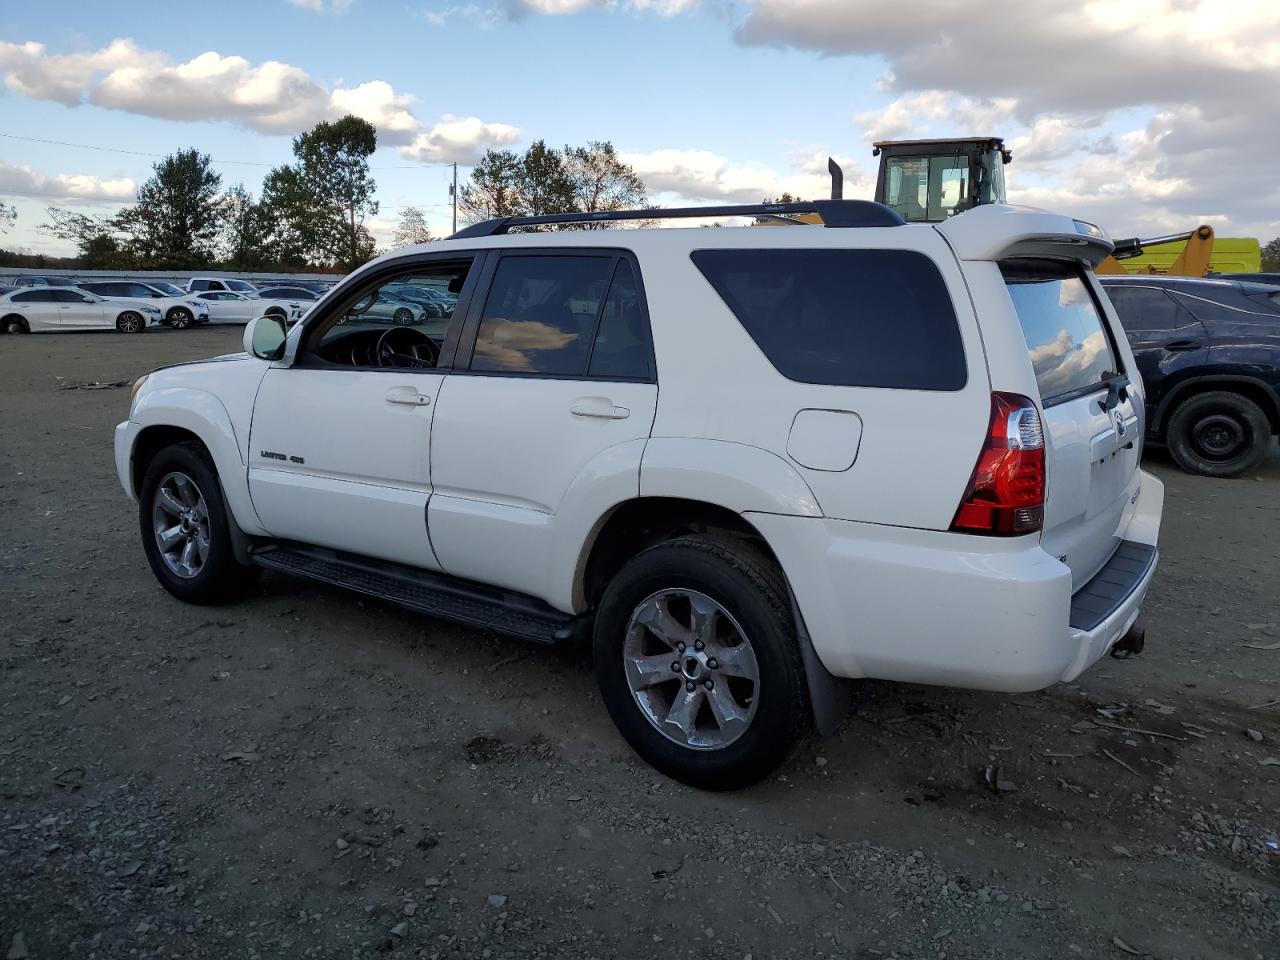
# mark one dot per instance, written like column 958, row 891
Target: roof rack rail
column 834, row 213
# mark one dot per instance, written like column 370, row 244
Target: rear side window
column 1070, row 350
column 540, row 314
column 852, row 318
column 34, row 296
column 1146, row 308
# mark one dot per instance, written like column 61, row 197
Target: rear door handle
column 1176, row 345
column 600, row 407
column 408, row 396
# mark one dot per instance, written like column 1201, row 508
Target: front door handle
column 599, row 407
column 407, row 396
column 1177, row 345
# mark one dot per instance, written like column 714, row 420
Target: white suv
column 746, row 462
column 178, row 312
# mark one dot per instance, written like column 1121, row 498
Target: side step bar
column 437, row 595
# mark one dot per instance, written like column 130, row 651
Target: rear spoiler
column 998, row 232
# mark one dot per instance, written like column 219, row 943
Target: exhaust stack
column 837, row 179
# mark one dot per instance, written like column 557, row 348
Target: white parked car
column 201, row 284
column 62, row 309
column 748, row 463
column 229, row 307
column 178, row 312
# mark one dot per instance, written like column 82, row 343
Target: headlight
column 133, row 391
column 195, row 303
column 147, row 308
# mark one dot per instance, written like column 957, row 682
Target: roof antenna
column 837, row 179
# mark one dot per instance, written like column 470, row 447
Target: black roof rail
column 834, row 213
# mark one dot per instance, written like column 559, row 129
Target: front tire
column 185, row 534
column 403, row 317
column 1218, row 434
column 130, row 322
column 180, row 318
column 698, row 663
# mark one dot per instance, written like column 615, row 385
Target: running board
column 437, row 595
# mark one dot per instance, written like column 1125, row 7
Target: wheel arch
column 1249, row 387
column 16, row 316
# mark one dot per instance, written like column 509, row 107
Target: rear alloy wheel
column 180, row 318
column 15, row 325
column 130, row 322
column 697, row 660
column 403, row 316
column 1219, row 434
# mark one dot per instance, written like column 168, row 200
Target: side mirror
column 264, row 337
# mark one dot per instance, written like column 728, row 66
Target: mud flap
column 830, row 696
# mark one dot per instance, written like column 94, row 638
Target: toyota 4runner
column 746, row 463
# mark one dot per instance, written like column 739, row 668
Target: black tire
column 14, row 324
column 180, row 318
column 221, row 577
column 1218, row 434
column 749, row 587
column 131, row 322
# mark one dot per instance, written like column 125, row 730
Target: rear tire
column 1218, row 434
column 180, row 318
column 14, row 324
column 185, row 534
column 706, row 722
column 403, row 317
column 130, row 322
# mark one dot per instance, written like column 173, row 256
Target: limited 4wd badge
column 272, row 455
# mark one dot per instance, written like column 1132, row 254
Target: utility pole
column 453, row 192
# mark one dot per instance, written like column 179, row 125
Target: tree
column 244, row 232
column 333, row 160
column 8, row 215
column 97, row 239
column 547, row 181
column 412, row 229
column 178, row 216
column 1271, row 256
column 289, row 218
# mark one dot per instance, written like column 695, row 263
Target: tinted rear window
column 1069, row 346
column 852, row 318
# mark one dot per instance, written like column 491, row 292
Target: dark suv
column 1209, row 354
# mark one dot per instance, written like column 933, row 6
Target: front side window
column 850, row 318
column 540, row 314
column 1145, row 308
column 71, row 296
column 1065, row 333
column 33, row 296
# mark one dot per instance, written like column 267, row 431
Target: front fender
column 204, row 415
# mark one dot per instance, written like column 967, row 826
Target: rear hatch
column 1092, row 415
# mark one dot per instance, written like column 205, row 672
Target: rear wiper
column 1117, row 390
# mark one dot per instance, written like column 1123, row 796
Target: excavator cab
column 926, row 181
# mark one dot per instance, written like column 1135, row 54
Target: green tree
column 411, row 229
column 244, row 231
column 1271, row 256
column 543, row 180
column 333, row 161
column 97, row 239
column 289, row 217
column 176, row 222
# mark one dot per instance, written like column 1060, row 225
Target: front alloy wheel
column 180, row 318
column 180, row 520
column 130, row 322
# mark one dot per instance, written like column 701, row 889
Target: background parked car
column 200, row 284
column 178, row 312
column 387, row 307
column 230, row 307
column 300, row 294
column 1209, row 354
column 47, row 309
column 28, row 280
column 1268, row 278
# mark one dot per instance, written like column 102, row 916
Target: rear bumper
column 925, row 606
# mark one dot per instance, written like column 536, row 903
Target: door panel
column 337, row 458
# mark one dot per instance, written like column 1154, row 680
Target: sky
column 1145, row 116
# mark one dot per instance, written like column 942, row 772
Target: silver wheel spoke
column 684, row 711
column 703, row 612
column 169, row 503
column 186, row 490
column 737, row 661
column 731, row 718
column 170, row 537
column 646, row 671
column 657, row 618
column 201, row 542
column 188, row 554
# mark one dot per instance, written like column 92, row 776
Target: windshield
column 1068, row 343
column 167, row 288
column 240, row 286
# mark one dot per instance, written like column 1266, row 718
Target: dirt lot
column 309, row 774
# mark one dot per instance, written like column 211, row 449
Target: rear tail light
column 1006, row 493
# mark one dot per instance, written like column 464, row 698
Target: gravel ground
column 310, row 774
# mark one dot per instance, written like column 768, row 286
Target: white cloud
column 23, row 181
column 459, row 139
column 319, row 6
column 701, row 176
column 270, row 97
column 565, row 8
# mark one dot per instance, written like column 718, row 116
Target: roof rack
column 834, row 213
